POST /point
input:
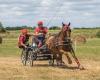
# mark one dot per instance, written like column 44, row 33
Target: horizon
column 81, row 27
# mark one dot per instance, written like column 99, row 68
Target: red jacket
column 41, row 30
column 23, row 39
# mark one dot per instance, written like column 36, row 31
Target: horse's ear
column 63, row 24
column 69, row 24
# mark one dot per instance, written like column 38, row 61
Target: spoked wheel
column 24, row 57
column 31, row 58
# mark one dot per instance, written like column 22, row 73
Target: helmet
column 40, row 23
column 24, row 31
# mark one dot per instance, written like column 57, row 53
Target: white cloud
column 16, row 8
column 58, row 10
column 18, row 13
column 46, row 2
column 3, row 5
column 88, row 14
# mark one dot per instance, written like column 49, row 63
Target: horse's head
column 66, row 29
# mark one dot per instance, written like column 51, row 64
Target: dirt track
column 12, row 69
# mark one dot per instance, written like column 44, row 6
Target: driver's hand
column 25, row 46
column 40, row 34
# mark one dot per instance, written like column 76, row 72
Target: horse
column 60, row 44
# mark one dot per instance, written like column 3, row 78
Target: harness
column 63, row 43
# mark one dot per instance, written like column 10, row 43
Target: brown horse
column 61, row 44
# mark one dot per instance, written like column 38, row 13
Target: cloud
column 13, row 12
column 88, row 14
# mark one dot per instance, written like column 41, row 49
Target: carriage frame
column 33, row 53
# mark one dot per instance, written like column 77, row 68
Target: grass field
column 12, row 69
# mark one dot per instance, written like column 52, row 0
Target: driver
column 40, row 33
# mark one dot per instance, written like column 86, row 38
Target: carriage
column 34, row 53
column 59, row 44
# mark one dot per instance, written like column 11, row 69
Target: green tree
column 2, row 29
column 1, row 26
column 54, row 28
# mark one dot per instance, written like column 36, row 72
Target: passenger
column 23, row 39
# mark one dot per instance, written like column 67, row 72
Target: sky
column 81, row 13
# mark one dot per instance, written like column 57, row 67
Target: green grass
column 86, row 32
column 15, row 71
column 9, row 47
column 89, row 50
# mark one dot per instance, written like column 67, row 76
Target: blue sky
column 80, row 13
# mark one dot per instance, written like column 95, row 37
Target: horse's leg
column 62, row 62
column 66, row 54
column 69, row 59
column 76, row 59
column 59, row 59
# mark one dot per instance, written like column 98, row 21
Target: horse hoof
column 81, row 68
column 60, row 64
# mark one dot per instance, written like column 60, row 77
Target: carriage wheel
column 30, row 58
column 23, row 57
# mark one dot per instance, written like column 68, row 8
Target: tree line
column 3, row 29
column 21, row 27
